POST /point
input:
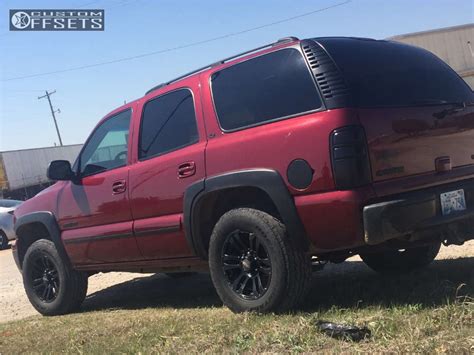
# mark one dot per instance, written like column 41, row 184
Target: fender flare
column 269, row 181
column 48, row 220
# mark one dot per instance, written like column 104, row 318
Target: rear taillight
column 350, row 157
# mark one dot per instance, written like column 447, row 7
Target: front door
column 94, row 211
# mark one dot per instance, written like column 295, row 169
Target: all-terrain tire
column 401, row 260
column 68, row 287
column 290, row 267
column 180, row 275
column 3, row 241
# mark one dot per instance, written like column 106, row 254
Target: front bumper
column 15, row 255
column 418, row 215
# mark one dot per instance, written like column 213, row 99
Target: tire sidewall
column 406, row 261
column 239, row 219
column 3, row 240
column 37, row 249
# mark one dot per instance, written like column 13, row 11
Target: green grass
column 429, row 311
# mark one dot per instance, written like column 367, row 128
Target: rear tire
column 180, row 275
column 52, row 285
column 401, row 261
column 254, row 265
column 3, row 241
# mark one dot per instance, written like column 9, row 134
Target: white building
column 454, row 45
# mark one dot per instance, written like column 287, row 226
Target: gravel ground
column 15, row 305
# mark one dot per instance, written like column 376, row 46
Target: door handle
column 119, row 187
column 186, row 169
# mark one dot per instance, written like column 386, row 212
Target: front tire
column 401, row 260
column 52, row 285
column 254, row 265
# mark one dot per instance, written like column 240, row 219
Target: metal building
column 23, row 172
column 454, row 45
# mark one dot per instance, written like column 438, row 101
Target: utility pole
column 48, row 94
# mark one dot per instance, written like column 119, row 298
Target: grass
column 429, row 311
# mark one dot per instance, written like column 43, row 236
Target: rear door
column 170, row 156
column 416, row 111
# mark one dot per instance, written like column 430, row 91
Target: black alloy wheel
column 254, row 265
column 51, row 284
column 246, row 264
column 45, row 278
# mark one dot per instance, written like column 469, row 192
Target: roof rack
column 222, row 61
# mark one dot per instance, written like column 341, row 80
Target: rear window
column 263, row 89
column 382, row 73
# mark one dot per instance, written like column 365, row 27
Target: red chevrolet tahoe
column 259, row 168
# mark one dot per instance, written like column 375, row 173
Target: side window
column 168, row 123
column 107, row 148
column 264, row 88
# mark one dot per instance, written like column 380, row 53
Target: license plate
column 452, row 201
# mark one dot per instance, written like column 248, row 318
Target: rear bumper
column 418, row 215
column 333, row 220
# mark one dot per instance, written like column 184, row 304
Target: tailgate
column 409, row 141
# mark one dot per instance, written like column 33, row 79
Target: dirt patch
column 13, row 301
column 15, row 305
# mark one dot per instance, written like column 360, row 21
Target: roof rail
column 222, row 61
column 287, row 39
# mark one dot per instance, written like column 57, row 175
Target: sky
column 134, row 27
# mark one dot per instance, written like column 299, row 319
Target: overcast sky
column 134, row 27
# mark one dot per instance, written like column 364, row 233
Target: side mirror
column 60, row 170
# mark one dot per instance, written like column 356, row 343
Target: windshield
column 383, row 73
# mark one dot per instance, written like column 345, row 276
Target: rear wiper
column 432, row 102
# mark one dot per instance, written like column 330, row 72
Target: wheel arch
column 35, row 226
column 264, row 189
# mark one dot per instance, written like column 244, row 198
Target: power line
column 232, row 34
column 31, row 90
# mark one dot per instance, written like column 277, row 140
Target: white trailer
column 27, row 167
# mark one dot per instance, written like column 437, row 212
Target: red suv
column 257, row 168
